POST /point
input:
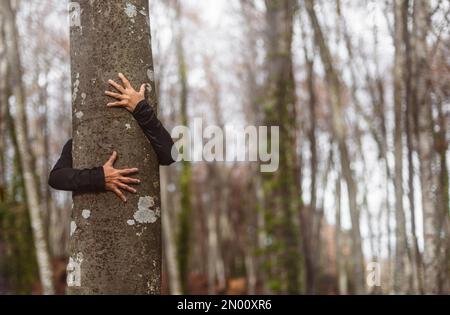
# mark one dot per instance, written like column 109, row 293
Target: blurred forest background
column 361, row 91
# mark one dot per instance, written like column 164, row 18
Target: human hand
column 128, row 97
column 115, row 179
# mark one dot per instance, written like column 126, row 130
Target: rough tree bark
column 115, row 247
column 25, row 152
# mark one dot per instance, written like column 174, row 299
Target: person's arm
column 134, row 101
column 155, row 132
column 64, row 177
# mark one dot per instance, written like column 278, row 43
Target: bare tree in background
column 426, row 147
column 339, row 129
column 401, row 245
column 184, row 233
column 26, row 155
column 280, row 111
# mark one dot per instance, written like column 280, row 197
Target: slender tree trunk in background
column 426, row 150
column 308, row 221
column 340, row 265
column 409, row 124
column 32, row 193
column 168, row 237
column 340, row 134
column 377, row 91
column 3, row 118
column 443, row 202
column 400, row 230
column 217, row 220
column 252, row 94
column 115, row 246
column 186, row 174
column 280, row 111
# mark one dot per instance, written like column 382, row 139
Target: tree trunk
column 400, row 224
column 280, row 111
column 168, row 238
column 426, row 150
column 25, row 152
column 340, row 134
column 115, row 247
column 408, row 76
column 340, row 265
column 184, row 234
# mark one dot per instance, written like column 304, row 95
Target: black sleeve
column 155, row 132
column 64, row 177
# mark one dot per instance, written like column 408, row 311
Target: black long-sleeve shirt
column 64, row 177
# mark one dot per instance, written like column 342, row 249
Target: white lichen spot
column 150, row 75
column 144, row 214
column 127, row 126
column 86, row 213
column 73, row 227
column 74, row 270
column 79, row 114
column 131, row 222
column 83, row 97
column 130, row 10
column 156, row 184
column 143, row 12
column 76, row 84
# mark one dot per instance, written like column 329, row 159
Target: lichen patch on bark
column 130, row 10
column 73, row 227
column 74, row 270
column 144, row 214
column 76, row 84
column 86, row 213
column 79, row 114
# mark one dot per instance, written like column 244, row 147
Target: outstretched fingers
column 127, row 188
column 128, row 171
column 142, row 90
column 129, row 180
column 125, row 81
column 120, row 194
column 112, row 158
column 117, row 86
column 115, row 95
column 117, row 104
